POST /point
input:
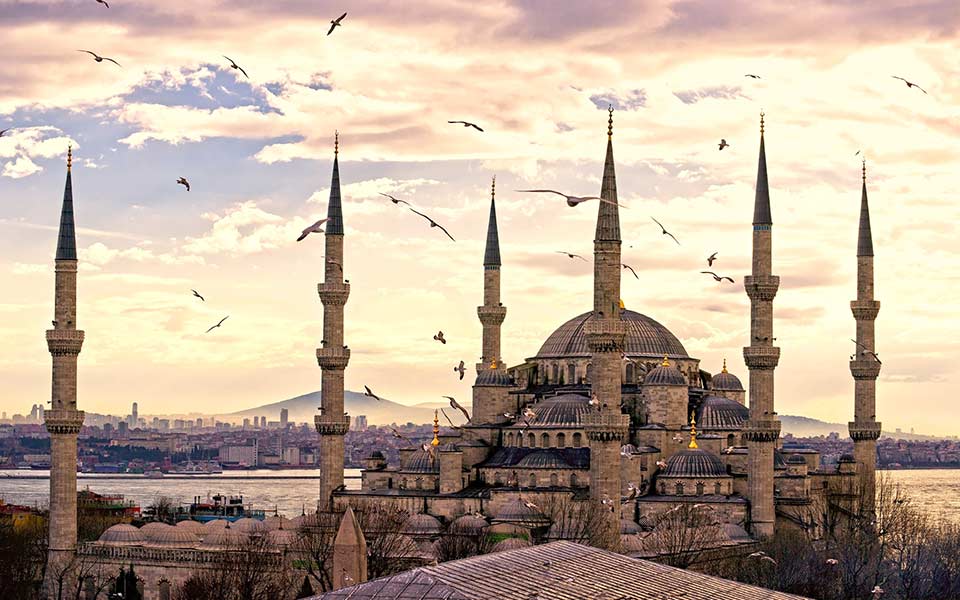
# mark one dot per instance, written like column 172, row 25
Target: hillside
column 303, row 408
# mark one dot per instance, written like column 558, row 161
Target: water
column 289, row 491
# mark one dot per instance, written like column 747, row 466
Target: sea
column 290, row 492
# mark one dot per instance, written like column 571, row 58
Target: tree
column 306, row 590
column 251, row 570
column 683, row 533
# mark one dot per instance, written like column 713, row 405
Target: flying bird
column 434, row 224
column 630, row 269
column 723, row 143
column 858, row 153
column 572, row 255
column 336, row 23
column 833, row 562
column 3, row 131
column 368, row 392
column 910, row 84
column 439, row 337
column 571, row 200
column 752, row 76
column 711, row 258
column 183, row 181
column 315, row 228
column 103, row 2
column 197, row 294
column 99, row 58
column 457, row 406
column 397, row 434
column 867, row 351
column 234, row 65
column 218, row 324
column 394, row 200
column 718, row 277
column 664, row 231
column 529, row 504
column 448, row 419
column 460, row 369
column 466, row 124
column 877, row 591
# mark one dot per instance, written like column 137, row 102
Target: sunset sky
column 538, row 76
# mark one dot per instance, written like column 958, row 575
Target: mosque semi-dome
column 421, row 461
column 717, row 412
column 565, row 410
column 694, row 462
column 644, row 337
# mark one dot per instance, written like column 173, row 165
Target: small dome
column 173, row 537
column 275, row 522
column 195, row 527
column 122, row 534
column 694, row 463
column 717, row 412
column 468, row 525
column 511, row 543
column 421, row 524
column 631, row 543
column 628, row 527
column 228, row 537
column 565, row 410
column 726, row 382
column 152, row 528
column 494, row 377
column 665, row 374
column 215, row 524
column 421, row 461
column 517, row 511
column 644, row 337
column 282, row 537
column 248, row 525
column 543, row 459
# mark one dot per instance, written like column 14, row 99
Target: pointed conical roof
column 67, row 240
column 349, row 533
column 491, row 256
column 608, row 215
column 761, row 206
column 865, row 238
column 334, row 208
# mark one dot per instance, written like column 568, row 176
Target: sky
column 538, row 77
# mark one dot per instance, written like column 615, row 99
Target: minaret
column 606, row 426
column 332, row 423
column 63, row 420
column 763, row 427
column 492, row 313
column 864, row 429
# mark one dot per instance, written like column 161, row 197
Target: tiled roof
column 555, row 571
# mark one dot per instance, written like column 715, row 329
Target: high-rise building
column 360, row 423
column 284, row 415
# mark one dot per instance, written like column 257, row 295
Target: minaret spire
column 332, row 423
column 491, row 254
column 608, row 217
column 763, row 427
column 865, row 237
column 67, row 240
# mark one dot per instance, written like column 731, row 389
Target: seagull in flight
column 394, row 200
column 183, row 181
column 439, row 337
column 718, row 277
column 369, row 393
column 434, row 223
column 315, row 228
column 867, row 351
column 103, row 2
column 336, row 23
column 711, row 258
column 460, row 369
column 664, row 231
column 397, row 434
column 752, row 76
column 723, row 144
column 99, row 58
column 218, row 324
column 457, row 406
column 197, row 294
column 234, row 65
column 466, row 124
column 3, row 131
column 572, row 200
column 910, row 84
column 628, row 267
column 448, row 419
column 572, row 255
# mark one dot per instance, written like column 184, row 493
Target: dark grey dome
column 468, row 525
column 517, row 511
column 645, row 337
column 665, row 375
column 628, row 527
column 494, row 377
column 726, row 382
column 543, row 459
column 717, row 412
column 694, row 462
column 421, row 524
column 421, row 461
column 565, row 410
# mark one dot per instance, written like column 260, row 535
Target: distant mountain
column 304, row 408
column 807, row 427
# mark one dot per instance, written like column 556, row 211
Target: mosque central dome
column 645, row 337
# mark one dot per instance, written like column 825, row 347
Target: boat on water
column 218, row 506
column 153, row 474
column 211, row 468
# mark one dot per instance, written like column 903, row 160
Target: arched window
column 731, row 440
column 532, row 438
column 533, row 480
column 419, row 483
column 589, row 373
column 561, row 440
column 631, row 373
column 555, row 372
column 545, row 440
column 717, row 489
column 571, row 373
column 554, row 480
column 573, row 480
column 663, row 489
column 497, row 478
column 164, row 589
column 679, row 489
column 403, row 483
column 699, row 488
column 576, row 439
column 510, row 439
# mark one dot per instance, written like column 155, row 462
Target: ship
column 210, row 468
column 216, row 507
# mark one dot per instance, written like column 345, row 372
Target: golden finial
column 665, row 363
column 864, row 169
column 336, row 142
column 436, row 429
column 724, row 365
column 493, row 187
column 69, row 156
column 493, row 363
column 622, row 305
column 610, row 124
column 761, row 122
column 693, row 432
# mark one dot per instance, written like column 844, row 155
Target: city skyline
column 144, row 241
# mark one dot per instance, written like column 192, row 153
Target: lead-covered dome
column 694, row 463
column 421, row 524
column 421, row 461
column 565, row 410
column 665, row 374
column 645, row 337
column 173, row 537
column 725, row 381
column 122, row 534
column 721, row 413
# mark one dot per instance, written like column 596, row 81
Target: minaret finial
column 336, row 142
column 69, row 156
column 864, row 169
column 493, row 188
column 436, row 429
column 693, row 432
column 761, row 121
column 610, row 123
column 724, row 365
column 665, row 363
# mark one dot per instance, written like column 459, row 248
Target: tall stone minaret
column 606, row 426
column 864, row 429
column 763, row 427
column 63, row 420
column 332, row 423
column 492, row 313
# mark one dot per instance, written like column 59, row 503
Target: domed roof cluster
column 248, row 526
column 665, row 374
column 565, row 410
column 421, row 461
column 726, row 382
column 694, row 462
column 717, row 412
column 216, row 534
column 644, row 337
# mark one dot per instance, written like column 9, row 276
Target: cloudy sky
column 538, row 76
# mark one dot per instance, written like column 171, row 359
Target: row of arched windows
column 531, row 479
column 678, row 488
column 545, row 440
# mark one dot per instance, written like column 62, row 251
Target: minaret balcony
column 604, row 335
column 492, row 315
column 332, row 425
column 864, row 367
column 864, row 431
column 63, row 421
column 761, row 430
column 606, row 426
column 333, row 293
column 333, row 357
column 761, row 357
column 761, row 287
column 865, row 310
column 64, row 342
